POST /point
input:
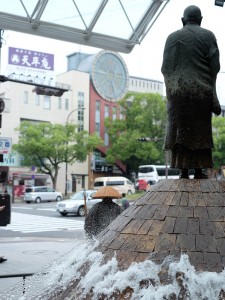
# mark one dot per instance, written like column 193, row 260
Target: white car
column 40, row 194
column 75, row 205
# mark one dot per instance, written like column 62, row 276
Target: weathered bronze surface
column 190, row 67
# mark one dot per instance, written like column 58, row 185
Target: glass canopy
column 116, row 25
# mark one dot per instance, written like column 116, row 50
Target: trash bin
column 5, row 215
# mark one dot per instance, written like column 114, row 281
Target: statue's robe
column 190, row 67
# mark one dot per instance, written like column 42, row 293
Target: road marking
column 34, row 208
column 30, row 223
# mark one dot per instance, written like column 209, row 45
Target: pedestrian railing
column 23, row 275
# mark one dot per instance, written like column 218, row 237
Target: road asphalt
column 28, row 256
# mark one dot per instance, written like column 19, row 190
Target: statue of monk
column 190, row 67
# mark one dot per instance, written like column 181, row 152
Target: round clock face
column 110, row 76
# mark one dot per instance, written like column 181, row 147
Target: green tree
column 144, row 116
column 47, row 145
column 218, row 125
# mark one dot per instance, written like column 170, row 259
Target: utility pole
column 67, row 122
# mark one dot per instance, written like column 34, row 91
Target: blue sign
column 5, row 145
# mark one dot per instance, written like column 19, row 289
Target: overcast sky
column 145, row 60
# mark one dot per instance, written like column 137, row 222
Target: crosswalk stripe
column 31, row 223
column 32, row 208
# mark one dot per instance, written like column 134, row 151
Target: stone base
column 174, row 217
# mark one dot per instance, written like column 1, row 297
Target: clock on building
column 109, row 75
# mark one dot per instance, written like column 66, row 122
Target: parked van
column 121, row 184
column 156, row 172
column 39, row 194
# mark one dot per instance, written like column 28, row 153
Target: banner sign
column 10, row 160
column 31, row 59
column 29, row 62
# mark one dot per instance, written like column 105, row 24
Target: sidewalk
column 29, row 255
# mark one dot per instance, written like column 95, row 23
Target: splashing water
column 106, row 278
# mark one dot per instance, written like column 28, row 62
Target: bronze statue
column 190, row 67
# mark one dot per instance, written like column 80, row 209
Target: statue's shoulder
column 174, row 33
column 205, row 32
column 173, row 36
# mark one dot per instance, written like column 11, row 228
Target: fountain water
column 170, row 244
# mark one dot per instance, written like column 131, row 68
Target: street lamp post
column 67, row 120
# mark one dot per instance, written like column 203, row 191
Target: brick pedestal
column 174, row 217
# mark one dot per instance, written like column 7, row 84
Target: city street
column 42, row 220
column 37, row 235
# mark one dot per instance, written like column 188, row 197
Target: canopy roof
column 116, row 25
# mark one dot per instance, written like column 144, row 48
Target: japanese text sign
column 31, row 59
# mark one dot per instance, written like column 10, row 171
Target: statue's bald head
column 192, row 14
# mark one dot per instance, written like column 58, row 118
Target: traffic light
column 219, row 2
column 148, row 139
column 41, row 90
column 144, row 139
column 2, row 107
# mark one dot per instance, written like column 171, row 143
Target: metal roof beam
column 145, row 20
column 68, row 34
column 35, row 26
column 97, row 15
column 38, row 11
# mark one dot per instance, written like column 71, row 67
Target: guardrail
column 23, row 275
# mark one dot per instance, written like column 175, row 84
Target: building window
column 140, row 83
column 106, row 115
column 97, row 117
column 106, row 137
column 80, row 118
column 59, row 103
column 154, row 86
column 37, row 100
column 47, row 102
column 25, row 97
column 66, row 104
column 80, row 99
column 121, row 113
column 114, row 112
column 97, row 129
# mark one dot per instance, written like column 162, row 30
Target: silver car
column 75, row 205
column 39, row 194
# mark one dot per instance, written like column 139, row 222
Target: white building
column 22, row 103
column 145, row 85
